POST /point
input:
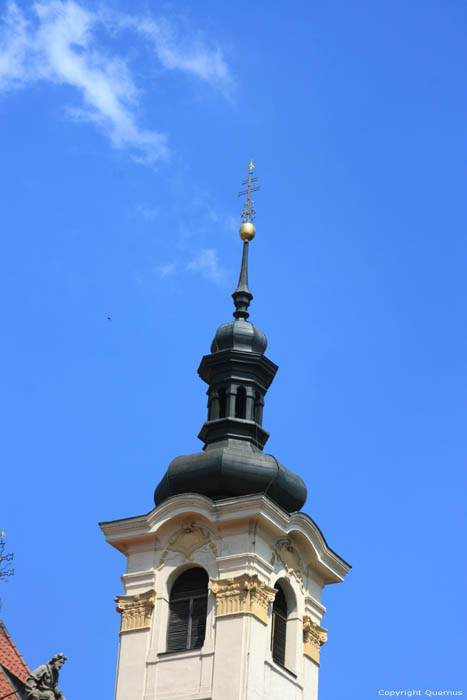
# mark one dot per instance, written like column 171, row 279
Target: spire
column 242, row 295
column 238, row 375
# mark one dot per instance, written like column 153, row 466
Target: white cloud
column 167, row 270
column 14, row 43
column 175, row 53
column 63, row 42
column 207, row 262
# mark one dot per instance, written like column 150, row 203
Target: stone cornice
column 243, row 595
column 314, row 607
column 246, row 562
column 314, row 637
column 329, row 566
column 136, row 610
column 136, row 582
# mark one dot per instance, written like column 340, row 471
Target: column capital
column 243, row 595
column 136, row 610
column 314, row 637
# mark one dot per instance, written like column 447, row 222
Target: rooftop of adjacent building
column 13, row 668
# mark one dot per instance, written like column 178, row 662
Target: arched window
column 240, row 403
column 222, row 402
column 258, row 417
column 279, row 626
column 187, row 611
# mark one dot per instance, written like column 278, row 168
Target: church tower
column 224, row 576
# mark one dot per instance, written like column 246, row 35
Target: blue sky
column 125, row 131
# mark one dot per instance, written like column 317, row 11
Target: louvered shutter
column 187, row 611
column 279, row 627
column 179, row 616
column 193, row 582
column 198, row 622
column 278, row 639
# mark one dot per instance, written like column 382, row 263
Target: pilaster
column 136, row 615
column 248, row 546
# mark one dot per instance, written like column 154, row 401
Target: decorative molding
column 137, row 581
column 136, row 610
column 187, row 540
column 243, row 595
column 236, row 564
column 314, row 637
column 123, row 534
column 314, row 608
column 286, row 552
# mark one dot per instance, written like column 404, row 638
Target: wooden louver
column 279, row 627
column 187, row 611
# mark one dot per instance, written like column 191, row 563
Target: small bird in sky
column 108, row 318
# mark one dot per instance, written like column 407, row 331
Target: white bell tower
column 222, row 590
column 250, row 549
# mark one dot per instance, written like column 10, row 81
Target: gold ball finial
column 247, row 231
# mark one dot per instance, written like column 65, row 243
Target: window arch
column 187, row 611
column 279, row 626
column 240, row 402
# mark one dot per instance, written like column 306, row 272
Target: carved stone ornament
column 136, row 610
column 187, row 540
column 286, row 552
column 314, row 637
column 243, row 595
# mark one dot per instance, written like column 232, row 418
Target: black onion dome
column 232, row 469
column 239, row 335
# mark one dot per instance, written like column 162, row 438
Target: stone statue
column 42, row 683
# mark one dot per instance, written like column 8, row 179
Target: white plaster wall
column 310, row 679
column 180, row 675
column 235, row 662
column 131, row 671
column 279, row 685
column 229, row 661
column 259, row 640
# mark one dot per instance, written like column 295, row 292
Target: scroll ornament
column 187, row 540
column 286, row 552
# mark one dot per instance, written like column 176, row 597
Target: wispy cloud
column 64, row 42
column 167, row 270
column 176, row 52
column 207, row 262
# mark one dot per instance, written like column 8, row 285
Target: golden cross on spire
column 249, row 213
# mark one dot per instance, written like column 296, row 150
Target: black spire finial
column 242, row 295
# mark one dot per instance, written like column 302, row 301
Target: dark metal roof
column 232, row 468
column 238, row 375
